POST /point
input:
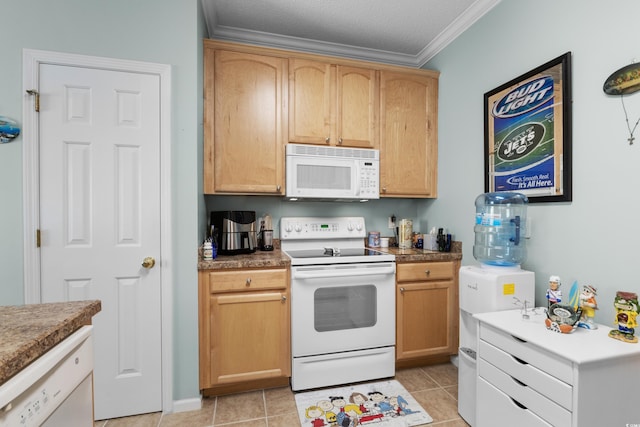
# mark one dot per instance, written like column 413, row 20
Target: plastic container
column 500, row 228
column 374, row 239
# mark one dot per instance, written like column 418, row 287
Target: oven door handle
column 342, row 272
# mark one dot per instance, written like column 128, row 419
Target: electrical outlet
column 392, row 222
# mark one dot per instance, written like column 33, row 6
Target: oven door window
column 346, row 307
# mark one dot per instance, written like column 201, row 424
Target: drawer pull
column 248, row 282
column 427, row 272
column 518, row 339
column 520, row 361
column 520, row 383
column 518, row 403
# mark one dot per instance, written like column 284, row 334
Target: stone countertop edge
column 277, row 258
column 258, row 259
column 28, row 331
column 417, row 255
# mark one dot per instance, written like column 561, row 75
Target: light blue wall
column 376, row 212
column 161, row 31
column 593, row 239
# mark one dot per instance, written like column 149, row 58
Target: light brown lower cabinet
column 244, row 328
column 426, row 311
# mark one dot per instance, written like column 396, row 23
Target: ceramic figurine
column 626, row 305
column 589, row 307
column 563, row 317
column 554, row 294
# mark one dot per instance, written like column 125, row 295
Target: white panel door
column 100, row 218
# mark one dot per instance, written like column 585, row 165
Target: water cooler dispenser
column 493, row 285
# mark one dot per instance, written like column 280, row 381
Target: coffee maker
column 234, row 231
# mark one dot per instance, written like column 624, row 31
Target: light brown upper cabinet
column 257, row 99
column 333, row 104
column 408, row 135
column 245, row 122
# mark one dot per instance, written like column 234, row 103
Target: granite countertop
column 416, row 255
column 29, row 331
column 258, row 259
column 277, row 258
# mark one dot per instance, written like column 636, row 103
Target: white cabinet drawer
column 545, row 384
column 494, row 408
column 525, row 396
column 529, row 353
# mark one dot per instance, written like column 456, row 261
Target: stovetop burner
column 329, row 252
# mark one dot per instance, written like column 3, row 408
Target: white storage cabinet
column 529, row 376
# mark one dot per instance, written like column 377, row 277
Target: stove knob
column 350, row 226
column 298, row 228
column 288, row 228
column 359, row 226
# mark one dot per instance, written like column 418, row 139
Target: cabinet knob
column 339, row 141
column 284, row 298
column 402, row 290
column 327, row 140
column 384, row 189
column 427, row 272
column 248, row 282
column 278, row 188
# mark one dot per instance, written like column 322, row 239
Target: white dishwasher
column 55, row 390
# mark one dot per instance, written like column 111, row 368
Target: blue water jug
column 500, row 228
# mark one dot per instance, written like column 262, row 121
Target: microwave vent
column 322, row 151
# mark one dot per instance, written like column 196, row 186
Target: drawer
column 494, row 408
column 545, row 384
column 528, row 353
column 523, row 396
column 247, row 280
column 418, row 271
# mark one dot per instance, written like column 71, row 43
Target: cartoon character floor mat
column 379, row 404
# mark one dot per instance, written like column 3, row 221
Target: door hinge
column 38, row 238
column 35, row 93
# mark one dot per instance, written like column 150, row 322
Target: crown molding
column 457, row 27
column 311, row 46
column 476, row 11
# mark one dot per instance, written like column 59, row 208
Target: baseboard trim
column 185, row 405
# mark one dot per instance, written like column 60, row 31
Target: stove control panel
column 321, row 227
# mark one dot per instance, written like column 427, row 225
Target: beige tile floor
column 434, row 387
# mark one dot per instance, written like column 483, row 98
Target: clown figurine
column 589, row 307
column 554, row 294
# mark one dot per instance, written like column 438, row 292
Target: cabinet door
column 244, row 123
column 250, row 337
column 333, row 105
column 425, row 319
column 357, row 94
column 311, row 102
column 408, row 135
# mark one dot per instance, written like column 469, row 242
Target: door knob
column 148, row 262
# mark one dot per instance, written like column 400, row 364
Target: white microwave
column 332, row 173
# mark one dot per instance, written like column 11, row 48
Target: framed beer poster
column 528, row 134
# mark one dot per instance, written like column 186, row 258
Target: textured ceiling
column 405, row 32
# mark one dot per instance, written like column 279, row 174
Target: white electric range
column 342, row 302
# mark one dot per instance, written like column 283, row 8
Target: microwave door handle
column 319, row 274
